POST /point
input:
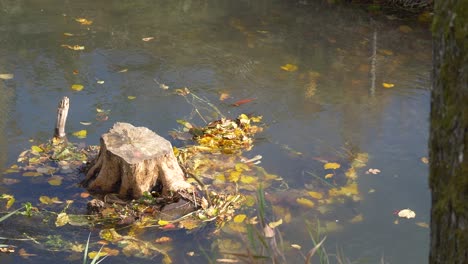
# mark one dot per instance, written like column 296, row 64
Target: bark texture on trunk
column 133, row 160
column 449, row 134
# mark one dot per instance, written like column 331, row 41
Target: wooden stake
column 62, row 112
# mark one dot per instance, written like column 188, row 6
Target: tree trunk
column 449, row 134
column 133, row 160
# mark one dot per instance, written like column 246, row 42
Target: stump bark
column 133, row 160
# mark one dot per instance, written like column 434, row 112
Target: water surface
column 328, row 106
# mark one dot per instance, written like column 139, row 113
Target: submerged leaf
column 32, row 174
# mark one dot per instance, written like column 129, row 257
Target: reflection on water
column 325, row 107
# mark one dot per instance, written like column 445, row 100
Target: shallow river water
column 316, row 72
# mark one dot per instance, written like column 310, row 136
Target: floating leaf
column 147, row 39
column 97, row 255
column 223, row 96
column 331, row 165
column 10, row 200
column 163, row 239
column 130, row 97
column 68, row 34
column 163, row 222
column 47, row 200
column 425, row 160
column 62, row 219
column 77, row 87
column 85, row 123
column 305, row 202
column 329, row 175
column 163, row 86
column 32, row 174
column 84, row 21
column 276, row 223
column 422, row 224
column 243, row 101
column 36, row 149
column 80, row 134
column 84, row 194
column 296, row 246
column 407, row 213
column 289, row 67
column 239, row 218
column 100, row 82
column 315, row 195
column 6, row 76
column 388, row 85
column 75, row 47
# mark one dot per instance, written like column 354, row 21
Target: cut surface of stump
column 133, row 160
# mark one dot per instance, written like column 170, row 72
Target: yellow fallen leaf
column 84, row 21
column 223, row 96
column 36, row 149
column 289, row 67
column 388, row 85
column 80, row 134
column 75, row 47
column 407, row 213
column 163, row 222
column 315, row 195
column 275, row 224
column 95, row 254
column 47, row 200
column 331, row 165
column 6, row 76
column 147, row 39
column 130, row 97
column 77, row 87
column 329, row 175
column 62, row 219
column 296, row 246
column 305, row 202
column 68, row 34
column 239, row 218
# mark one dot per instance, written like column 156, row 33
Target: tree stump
column 133, row 160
